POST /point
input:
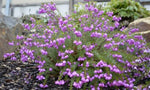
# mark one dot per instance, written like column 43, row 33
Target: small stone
column 18, row 68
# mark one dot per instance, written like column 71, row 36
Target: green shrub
column 128, row 10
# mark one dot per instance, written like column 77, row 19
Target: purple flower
column 78, row 33
column 62, row 64
column 64, row 57
column 64, row 28
column 24, row 58
column 50, row 69
column 116, row 24
column 89, row 54
column 77, row 85
column 123, row 28
column 109, row 45
column 133, row 30
column 11, row 43
column 147, row 50
column 108, row 39
column 101, row 85
column 64, row 46
column 61, row 41
column 98, row 71
column 122, row 36
column 139, row 37
column 105, row 35
column 84, row 15
column 87, row 64
column 117, row 35
column 115, row 49
column 116, row 18
column 69, row 51
column 13, row 58
column 131, row 41
column 40, row 77
column 19, row 37
column 100, row 13
column 42, row 10
column 43, row 86
column 32, row 19
column 109, row 14
column 61, row 54
column 32, row 25
column 95, row 34
column 117, row 56
column 74, row 73
column 70, row 25
column 108, row 77
column 86, row 29
column 44, row 52
column 81, row 58
column 61, row 82
column 77, row 42
column 68, row 36
column 41, row 70
column 26, row 26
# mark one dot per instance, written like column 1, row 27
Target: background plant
column 129, row 10
column 83, row 50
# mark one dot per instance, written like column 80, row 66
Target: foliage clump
column 84, row 50
column 129, row 10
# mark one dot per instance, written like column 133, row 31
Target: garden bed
column 73, row 52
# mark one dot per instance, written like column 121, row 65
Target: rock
column 143, row 25
column 9, row 28
column 18, row 68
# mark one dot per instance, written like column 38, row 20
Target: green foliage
column 129, row 10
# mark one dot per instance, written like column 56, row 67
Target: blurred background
column 19, row 8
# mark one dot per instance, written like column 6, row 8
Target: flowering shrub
column 85, row 51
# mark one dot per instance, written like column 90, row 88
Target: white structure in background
column 20, row 8
column 145, row 3
column 0, row 5
column 7, row 9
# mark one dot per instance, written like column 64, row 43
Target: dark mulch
column 15, row 75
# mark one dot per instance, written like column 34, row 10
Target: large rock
column 9, row 28
column 144, row 27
